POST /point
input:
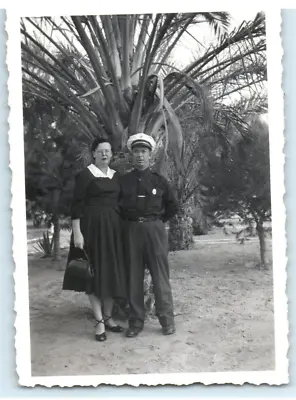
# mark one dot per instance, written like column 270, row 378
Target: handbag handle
column 86, row 256
column 87, row 259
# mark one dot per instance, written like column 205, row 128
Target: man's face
column 141, row 157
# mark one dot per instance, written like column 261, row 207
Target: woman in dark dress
column 96, row 227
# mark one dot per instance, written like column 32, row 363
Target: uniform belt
column 143, row 219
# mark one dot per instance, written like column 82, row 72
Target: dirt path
column 224, row 319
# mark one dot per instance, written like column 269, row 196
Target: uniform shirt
column 146, row 194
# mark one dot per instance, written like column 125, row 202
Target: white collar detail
column 100, row 174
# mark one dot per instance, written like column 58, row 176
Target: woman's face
column 103, row 154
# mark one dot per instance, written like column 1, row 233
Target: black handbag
column 79, row 274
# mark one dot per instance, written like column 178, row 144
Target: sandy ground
column 224, row 319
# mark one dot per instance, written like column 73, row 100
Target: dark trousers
column 146, row 244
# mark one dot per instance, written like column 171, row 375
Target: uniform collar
column 144, row 172
column 100, row 174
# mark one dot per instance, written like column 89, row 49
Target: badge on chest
column 154, row 192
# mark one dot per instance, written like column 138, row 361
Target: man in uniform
column 147, row 203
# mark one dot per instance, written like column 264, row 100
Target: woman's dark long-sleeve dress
column 95, row 203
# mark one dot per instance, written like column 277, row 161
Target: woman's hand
column 78, row 240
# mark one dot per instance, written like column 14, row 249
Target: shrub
column 45, row 245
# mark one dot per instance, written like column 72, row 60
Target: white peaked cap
column 141, row 139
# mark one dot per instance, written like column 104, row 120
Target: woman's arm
column 77, row 235
column 77, row 208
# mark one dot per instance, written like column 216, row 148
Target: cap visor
column 140, row 143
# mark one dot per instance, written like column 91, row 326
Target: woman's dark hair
column 98, row 141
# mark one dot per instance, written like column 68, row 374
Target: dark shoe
column 168, row 330
column 102, row 336
column 133, row 331
column 114, row 329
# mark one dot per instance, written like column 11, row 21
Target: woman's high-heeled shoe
column 102, row 336
column 115, row 328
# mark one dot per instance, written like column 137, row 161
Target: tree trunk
column 56, row 225
column 149, row 300
column 180, row 231
column 262, row 243
column 56, row 238
column 201, row 223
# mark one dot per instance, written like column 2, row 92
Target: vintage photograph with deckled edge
column 147, row 162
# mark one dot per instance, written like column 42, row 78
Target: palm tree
column 235, row 86
column 107, row 71
column 114, row 76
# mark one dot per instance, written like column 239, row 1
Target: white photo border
column 276, row 126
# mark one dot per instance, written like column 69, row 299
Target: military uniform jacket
column 146, row 194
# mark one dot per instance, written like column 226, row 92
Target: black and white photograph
column 148, row 181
